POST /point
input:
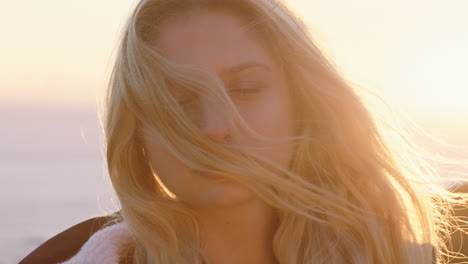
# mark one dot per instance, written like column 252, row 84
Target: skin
column 239, row 226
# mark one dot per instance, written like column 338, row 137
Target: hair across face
column 217, row 43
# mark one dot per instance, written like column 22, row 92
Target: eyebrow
column 245, row 66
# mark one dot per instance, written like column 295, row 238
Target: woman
column 231, row 139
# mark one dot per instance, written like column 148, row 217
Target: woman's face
column 216, row 42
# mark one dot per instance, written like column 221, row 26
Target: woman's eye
column 246, row 90
column 187, row 101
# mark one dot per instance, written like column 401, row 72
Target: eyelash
column 187, row 101
column 252, row 90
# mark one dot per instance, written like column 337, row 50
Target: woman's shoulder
column 67, row 243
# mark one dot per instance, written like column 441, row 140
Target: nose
column 215, row 123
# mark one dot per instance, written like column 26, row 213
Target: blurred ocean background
column 52, row 174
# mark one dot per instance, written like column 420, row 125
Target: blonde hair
column 347, row 196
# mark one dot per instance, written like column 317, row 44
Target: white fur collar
column 103, row 247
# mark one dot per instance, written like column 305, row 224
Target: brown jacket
column 66, row 244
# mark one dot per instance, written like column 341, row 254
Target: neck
column 241, row 234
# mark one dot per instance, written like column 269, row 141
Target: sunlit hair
column 347, row 196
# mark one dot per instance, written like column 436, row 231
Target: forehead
column 211, row 39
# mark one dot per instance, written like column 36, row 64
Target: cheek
column 169, row 170
column 273, row 118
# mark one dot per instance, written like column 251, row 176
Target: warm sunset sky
column 413, row 52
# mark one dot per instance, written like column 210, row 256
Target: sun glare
column 436, row 77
